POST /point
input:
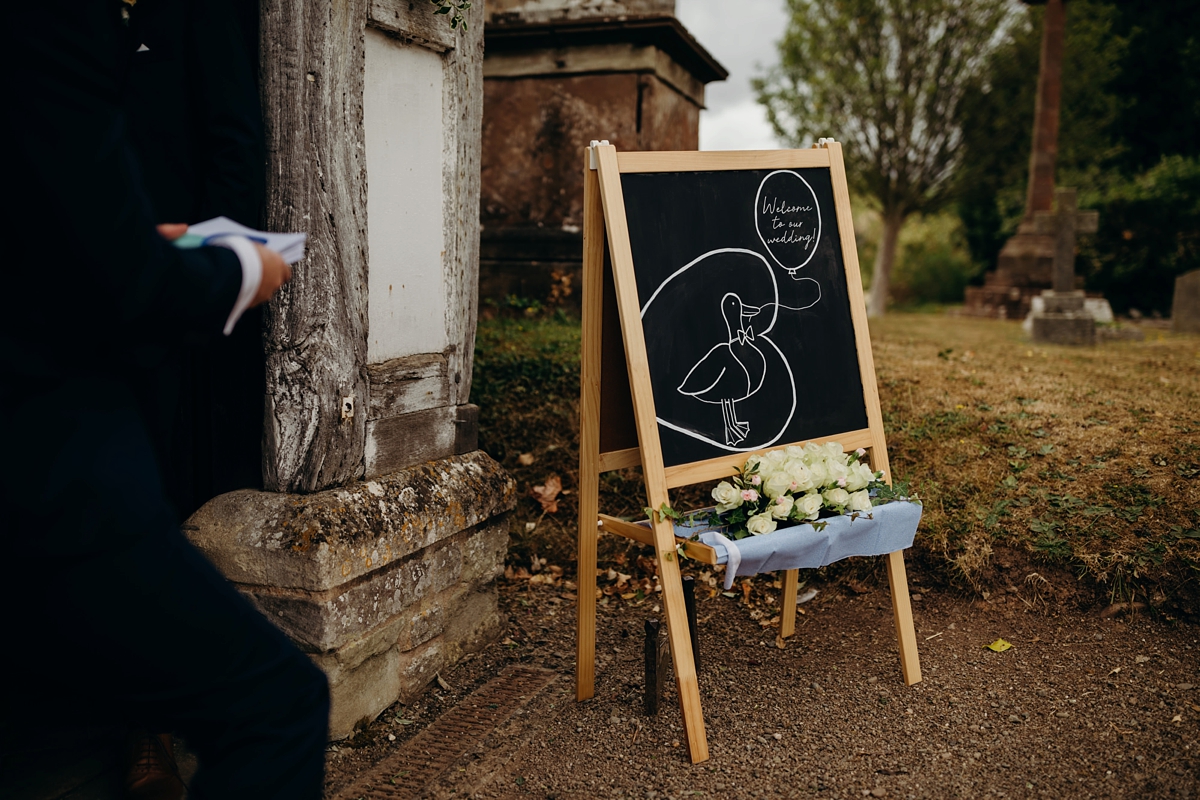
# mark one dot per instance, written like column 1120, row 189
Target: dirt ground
column 1083, row 705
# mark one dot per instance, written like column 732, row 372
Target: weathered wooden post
column 379, row 538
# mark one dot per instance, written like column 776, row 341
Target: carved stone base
column 1063, row 320
column 384, row 582
column 1024, row 269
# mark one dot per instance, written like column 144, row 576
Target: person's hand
column 172, row 230
column 275, row 273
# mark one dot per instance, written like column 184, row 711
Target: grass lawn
column 1070, row 471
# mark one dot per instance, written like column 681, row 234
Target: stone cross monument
column 1063, row 319
column 1024, row 266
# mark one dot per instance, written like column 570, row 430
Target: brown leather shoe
column 152, row 773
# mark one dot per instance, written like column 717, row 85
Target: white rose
column 782, row 507
column 727, row 497
column 818, row 470
column 838, row 472
column 775, row 458
column 800, row 475
column 836, row 498
column 859, row 501
column 779, row 483
column 835, row 450
column 793, row 451
column 809, row 505
column 761, row 523
column 858, row 478
column 752, row 464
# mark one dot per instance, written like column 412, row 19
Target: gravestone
column 1064, row 320
column 1185, row 308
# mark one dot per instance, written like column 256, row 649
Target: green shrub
column 1149, row 234
column 933, row 265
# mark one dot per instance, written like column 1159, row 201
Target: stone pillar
column 378, row 542
column 1040, row 193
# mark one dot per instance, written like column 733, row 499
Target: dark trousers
column 117, row 614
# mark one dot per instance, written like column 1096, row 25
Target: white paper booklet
column 288, row 245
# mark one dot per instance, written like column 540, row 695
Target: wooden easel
column 619, row 428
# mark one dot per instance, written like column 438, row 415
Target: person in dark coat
column 202, row 154
column 111, row 610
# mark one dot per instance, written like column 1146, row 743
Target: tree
column 885, row 77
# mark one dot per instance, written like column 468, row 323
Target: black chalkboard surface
column 745, row 309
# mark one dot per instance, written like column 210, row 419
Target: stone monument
column 1026, row 261
column 381, row 532
column 1063, row 318
column 557, row 74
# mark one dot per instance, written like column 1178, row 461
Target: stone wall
column 384, row 582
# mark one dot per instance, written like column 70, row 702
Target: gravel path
column 1081, row 706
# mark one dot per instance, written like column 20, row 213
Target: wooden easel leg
column 585, row 612
column 680, row 638
column 787, row 621
column 910, row 663
column 589, row 435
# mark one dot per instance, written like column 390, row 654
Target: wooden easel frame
column 605, row 224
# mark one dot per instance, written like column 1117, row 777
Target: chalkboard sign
column 723, row 315
column 745, row 309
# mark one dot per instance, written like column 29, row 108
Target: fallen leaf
column 809, row 595
column 525, row 459
column 999, row 646
column 1142, row 659
column 1177, row 718
column 857, row 587
column 780, row 643
column 1115, row 671
column 442, row 682
column 746, row 588
column 547, row 495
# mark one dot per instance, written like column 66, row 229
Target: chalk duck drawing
column 743, row 356
column 730, row 371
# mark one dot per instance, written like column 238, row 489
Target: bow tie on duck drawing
column 732, row 370
column 745, row 334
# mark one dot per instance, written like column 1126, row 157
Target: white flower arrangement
column 796, row 484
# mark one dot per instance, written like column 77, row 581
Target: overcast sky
column 741, row 34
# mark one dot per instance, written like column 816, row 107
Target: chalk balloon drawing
column 788, row 219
